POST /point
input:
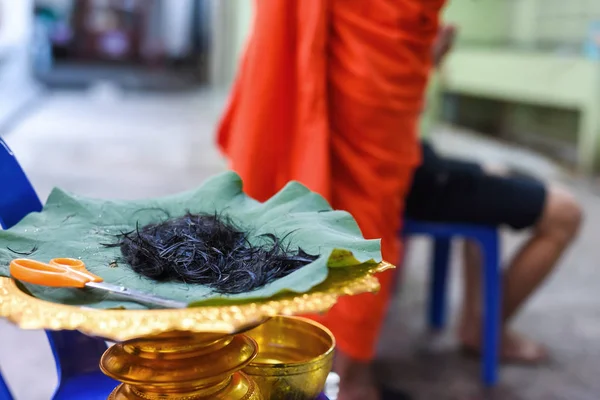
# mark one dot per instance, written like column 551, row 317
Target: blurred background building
column 147, row 45
column 527, row 71
column 17, row 87
column 524, row 71
column 140, row 44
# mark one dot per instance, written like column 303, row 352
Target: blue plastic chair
column 489, row 242
column 77, row 356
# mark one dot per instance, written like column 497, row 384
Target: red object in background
column 110, row 30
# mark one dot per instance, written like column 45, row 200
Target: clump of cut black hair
column 209, row 250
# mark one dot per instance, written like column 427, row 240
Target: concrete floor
column 106, row 144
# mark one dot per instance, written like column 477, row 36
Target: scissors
column 71, row 273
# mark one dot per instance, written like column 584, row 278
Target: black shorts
column 448, row 190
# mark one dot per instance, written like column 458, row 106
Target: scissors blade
column 136, row 296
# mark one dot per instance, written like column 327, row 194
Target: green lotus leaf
column 77, row 227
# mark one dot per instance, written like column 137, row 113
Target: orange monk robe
column 329, row 94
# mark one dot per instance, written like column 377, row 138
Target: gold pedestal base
column 182, row 366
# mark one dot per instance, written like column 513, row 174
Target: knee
column 563, row 214
column 496, row 169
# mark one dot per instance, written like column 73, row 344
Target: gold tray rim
column 28, row 312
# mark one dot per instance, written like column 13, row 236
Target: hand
column 443, row 43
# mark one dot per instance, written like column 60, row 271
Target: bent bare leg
column 554, row 232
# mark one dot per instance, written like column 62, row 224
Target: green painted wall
column 535, row 83
column 481, row 22
column 244, row 17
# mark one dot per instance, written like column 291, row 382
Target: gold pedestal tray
column 182, row 365
column 188, row 354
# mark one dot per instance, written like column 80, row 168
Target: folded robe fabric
column 329, row 94
column 76, row 227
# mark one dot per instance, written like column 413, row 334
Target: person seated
column 455, row 191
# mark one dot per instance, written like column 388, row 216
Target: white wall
column 177, row 23
column 15, row 22
column 231, row 22
column 244, row 17
column 16, row 82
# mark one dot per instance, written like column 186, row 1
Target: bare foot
column 515, row 348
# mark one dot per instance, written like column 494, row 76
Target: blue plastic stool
column 5, row 393
column 77, row 356
column 489, row 242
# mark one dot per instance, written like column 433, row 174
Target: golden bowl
column 295, row 356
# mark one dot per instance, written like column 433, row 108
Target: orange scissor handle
column 59, row 272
